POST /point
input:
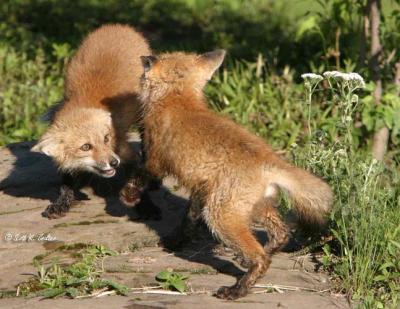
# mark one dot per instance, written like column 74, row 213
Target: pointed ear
column 48, row 146
column 147, row 62
column 211, row 61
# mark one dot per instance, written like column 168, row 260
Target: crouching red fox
column 88, row 131
column 232, row 174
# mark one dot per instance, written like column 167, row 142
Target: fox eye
column 106, row 138
column 86, row 147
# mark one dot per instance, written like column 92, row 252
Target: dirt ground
column 29, row 181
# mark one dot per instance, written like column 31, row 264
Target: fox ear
column 47, row 145
column 147, row 62
column 211, row 61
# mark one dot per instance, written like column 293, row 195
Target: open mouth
column 107, row 173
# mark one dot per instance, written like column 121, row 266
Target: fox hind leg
column 234, row 231
column 266, row 214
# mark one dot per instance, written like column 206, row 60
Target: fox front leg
column 135, row 191
column 135, row 194
column 66, row 198
column 130, row 194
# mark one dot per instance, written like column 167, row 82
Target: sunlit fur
column 233, row 174
column 64, row 139
column 101, row 97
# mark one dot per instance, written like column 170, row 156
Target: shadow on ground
column 28, row 181
column 33, row 175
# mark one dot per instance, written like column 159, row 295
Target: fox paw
column 232, row 292
column 60, row 207
column 53, row 211
column 130, row 194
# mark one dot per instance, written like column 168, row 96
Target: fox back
column 107, row 65
column 102, row 85
column 210, row 153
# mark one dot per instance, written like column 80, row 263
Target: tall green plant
column 364, row 222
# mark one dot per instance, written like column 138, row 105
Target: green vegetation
column 365, row 221
column 171, row 280
column 83, row 277
column 328, row 130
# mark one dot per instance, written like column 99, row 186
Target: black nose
column 114, row 162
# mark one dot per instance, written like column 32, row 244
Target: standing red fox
column 88, row 133
column 233, row 174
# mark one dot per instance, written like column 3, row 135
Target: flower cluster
column 354, row 78
column 312, row 77
column 311, row 81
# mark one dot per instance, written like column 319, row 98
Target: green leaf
column 183, row 276
column 179, row 285
column 120, row 288
column 380, row 278
column 307, row 25
column 397, row 244
column 163, row 275
column 72, row 292
column 379, row 305
column 51, row 293
column 386, row 265
column 73, row 281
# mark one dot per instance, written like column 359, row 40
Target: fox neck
column 186, row 98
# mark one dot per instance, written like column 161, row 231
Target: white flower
column 331, row 74
column 336, row 75
column 312, row 77
column 355, row 78
column 345, row 76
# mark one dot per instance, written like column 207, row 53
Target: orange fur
column 102, row 81
column 233, row 173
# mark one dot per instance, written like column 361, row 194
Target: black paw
column 60, row 207
column 232, row 292
column 54, row 211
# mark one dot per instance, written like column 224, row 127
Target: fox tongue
column 109, row 172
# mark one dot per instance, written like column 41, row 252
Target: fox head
column 178, row 72
column 81, row 139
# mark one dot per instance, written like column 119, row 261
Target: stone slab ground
column 29, row 181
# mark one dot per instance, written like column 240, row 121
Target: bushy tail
column 311, row 195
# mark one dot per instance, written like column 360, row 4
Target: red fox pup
column 234, row 175
column 88, row 131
